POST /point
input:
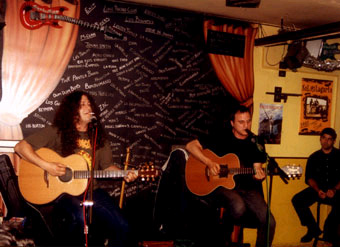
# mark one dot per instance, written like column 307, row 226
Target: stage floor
column 320, row 244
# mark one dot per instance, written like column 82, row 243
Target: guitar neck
column 242, row 170
column 81, row 23
column 102, row 174
column 43, row 16
column 235, row 171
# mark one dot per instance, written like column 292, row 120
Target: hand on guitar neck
column 201, row 182
column 38, row 187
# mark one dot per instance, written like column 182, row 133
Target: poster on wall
column 270, row 123
column 316, row 102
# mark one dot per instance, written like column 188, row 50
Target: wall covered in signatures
column 147, row 69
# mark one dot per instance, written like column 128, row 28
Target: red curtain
column 236, row 74
column 32, row 64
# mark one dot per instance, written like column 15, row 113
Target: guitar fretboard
column 241, row 171
column 102, row 174
column 35, row 15
column 81, row 23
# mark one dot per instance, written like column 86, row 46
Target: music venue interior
column 164, row 73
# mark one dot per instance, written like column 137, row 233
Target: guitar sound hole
column 68, row 175
column 224, row 171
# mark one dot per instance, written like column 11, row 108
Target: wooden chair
column 237, row 234
column 318, row 208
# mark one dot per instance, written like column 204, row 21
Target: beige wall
column 266, row 78
column 294, row 149
column 288, row 227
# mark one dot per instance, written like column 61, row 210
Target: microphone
column 94, row 120
column 253, row 137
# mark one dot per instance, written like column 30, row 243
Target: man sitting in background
column 323, row 180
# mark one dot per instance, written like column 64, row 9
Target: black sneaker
column 310, row 235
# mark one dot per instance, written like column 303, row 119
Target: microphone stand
column 274, row 169
column 94, row 129
column 271, row 169
column 87, row 204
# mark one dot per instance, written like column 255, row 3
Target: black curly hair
column 65, row 121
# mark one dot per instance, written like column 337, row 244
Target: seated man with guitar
column 210, row 175
column 45, row 173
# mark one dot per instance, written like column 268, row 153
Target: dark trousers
column 179, row 214
column 107, row 221
column 306, row 198
column 175, row 203
column 243, row 206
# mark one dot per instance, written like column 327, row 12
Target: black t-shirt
column 249, row 151
column 324, row 169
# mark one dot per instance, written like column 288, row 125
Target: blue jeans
column 107, row 220
column 174, row 196
column 241, row 203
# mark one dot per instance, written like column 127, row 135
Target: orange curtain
column 236, row 74
column 32, row 64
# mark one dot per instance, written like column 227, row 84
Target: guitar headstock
column 148, row 172
column 292, row 171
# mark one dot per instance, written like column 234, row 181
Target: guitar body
column 30, row 9
column 34, row 16
column 201, row 183
column 38, row 187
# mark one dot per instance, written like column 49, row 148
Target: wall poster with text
column 270, row 123
column 316, row 102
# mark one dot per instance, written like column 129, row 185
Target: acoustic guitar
column 34, row 16
column 38, row 187
column 201, row 183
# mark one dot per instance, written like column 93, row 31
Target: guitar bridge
column 207, row 174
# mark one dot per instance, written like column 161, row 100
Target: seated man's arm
column 195, row 148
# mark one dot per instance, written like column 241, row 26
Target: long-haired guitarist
column 247, row 194
column 72, row 133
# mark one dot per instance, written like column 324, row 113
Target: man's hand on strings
column 214, row 168
column 55, row 169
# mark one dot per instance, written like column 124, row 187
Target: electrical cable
column 282, row 56
column 268, row 201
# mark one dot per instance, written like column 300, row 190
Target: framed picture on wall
column 316, row 104
column 270, row 123
column 316, row 107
